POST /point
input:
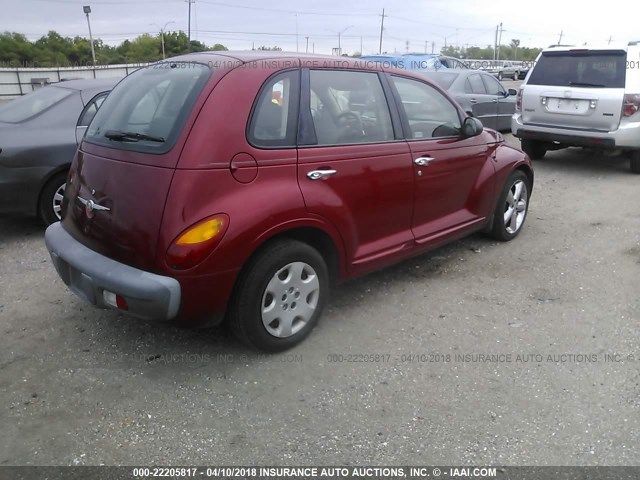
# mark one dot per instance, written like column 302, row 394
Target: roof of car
column 89, row 83
column 227, row 59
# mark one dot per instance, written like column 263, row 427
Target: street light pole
column 162, row 30
column 339, row 34
column 87, row 11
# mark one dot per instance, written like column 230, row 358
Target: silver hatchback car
column 579, row 96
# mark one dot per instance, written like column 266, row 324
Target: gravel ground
column 80, row 386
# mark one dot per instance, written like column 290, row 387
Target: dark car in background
column 480, row 94
column 39, row 134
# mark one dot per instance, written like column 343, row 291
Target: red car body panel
column 378, row 209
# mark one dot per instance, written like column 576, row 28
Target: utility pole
column 361, row 48
column 307, row 49
column 495, row 43
column 426, row 46
column 407, row 46
column 381, row 30
column 433, row 46
column 297, row 33
column 560, row 39
column 313, row 47
column 499, row 42
column 609, row 40
column 189, row 24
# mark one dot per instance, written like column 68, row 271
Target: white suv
column 579, row 96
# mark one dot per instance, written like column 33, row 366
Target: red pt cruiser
column 241, row 186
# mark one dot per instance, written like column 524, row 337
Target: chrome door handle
column 473, row 100
column 494, row 101
column 318, row 174
column 422, row 161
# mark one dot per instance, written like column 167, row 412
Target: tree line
column 513, row 51
column 54, row 50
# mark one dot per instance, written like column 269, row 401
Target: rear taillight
column 631, row 104
column 519, row 101
column 196, row 243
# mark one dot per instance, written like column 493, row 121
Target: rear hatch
column 122, row 172
column 577, row 89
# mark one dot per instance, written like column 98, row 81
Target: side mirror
column 513, row 91
column 471, row 127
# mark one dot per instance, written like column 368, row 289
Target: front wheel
column 50, row 205
column 512, row 208
column 516, row 75
column 280, row 296
column 500, row 76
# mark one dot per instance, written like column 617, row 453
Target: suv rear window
column 586, row 68
column 146, row 111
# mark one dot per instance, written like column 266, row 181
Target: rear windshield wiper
column 583, row 84
column 131, row 136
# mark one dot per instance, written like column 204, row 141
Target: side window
column 430, row 113
column 274, row 122
column 349, row 107
column 477, row 86
column 493, row 86
column 91, row 109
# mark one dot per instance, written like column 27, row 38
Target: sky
column 413, row 25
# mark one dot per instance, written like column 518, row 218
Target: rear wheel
column 634, row 160
column 516, row 75
column 534, row 148
column 50, row 206
column 500, row 76
column 279, row 296
column 512, row 208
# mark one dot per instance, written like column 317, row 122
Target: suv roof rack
column 559, row 45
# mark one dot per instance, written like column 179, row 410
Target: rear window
column 444, row 79
column 146, row 111
column 32, row 104
column 589, row 68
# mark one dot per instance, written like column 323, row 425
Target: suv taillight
column 631, row 104
column 519, row 101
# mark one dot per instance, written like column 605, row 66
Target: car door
column 505, row 104
column 447, row 167
column 355, row 169
column 87, row 115
column 483, row 106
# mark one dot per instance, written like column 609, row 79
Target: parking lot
column 476, row 353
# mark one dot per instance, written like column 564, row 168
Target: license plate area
column 568, row 106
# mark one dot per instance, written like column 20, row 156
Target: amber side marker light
column 196, row 243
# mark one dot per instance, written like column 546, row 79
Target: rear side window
column 475, row 85
column 91, row 109
column 587, row 68
column 32, row 104
column 274, row 120
column 349, row 107
column 146, row 111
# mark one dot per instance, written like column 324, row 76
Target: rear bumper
column 627, row 136
column 88, row 274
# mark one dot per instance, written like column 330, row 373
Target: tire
column 516, row 75
column 514, row 199
column 500, row 76
column 50, row 202
column 535, row 149
column 634, row 161
column 284, row 276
